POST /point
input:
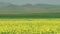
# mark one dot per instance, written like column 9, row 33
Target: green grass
column 44, row 15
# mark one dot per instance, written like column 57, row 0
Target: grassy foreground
column 30, row 26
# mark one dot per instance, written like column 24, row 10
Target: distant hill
column 28, row 8
column 4, row 4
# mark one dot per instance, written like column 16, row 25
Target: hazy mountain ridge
column 28, row 8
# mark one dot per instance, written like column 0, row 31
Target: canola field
column 30, row 26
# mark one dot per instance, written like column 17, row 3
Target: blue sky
column 19, row 2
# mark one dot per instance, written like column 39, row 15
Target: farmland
column 29, row 19
column 30, row 26
column 32, row 15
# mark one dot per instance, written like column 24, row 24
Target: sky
column 19, row 2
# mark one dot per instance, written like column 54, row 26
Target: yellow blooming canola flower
column 30, row 26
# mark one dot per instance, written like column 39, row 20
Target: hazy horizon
column 19, row 2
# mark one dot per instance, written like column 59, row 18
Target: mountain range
column 7, row 8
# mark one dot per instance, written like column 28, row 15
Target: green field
column 42, row 23
column 40, row 15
